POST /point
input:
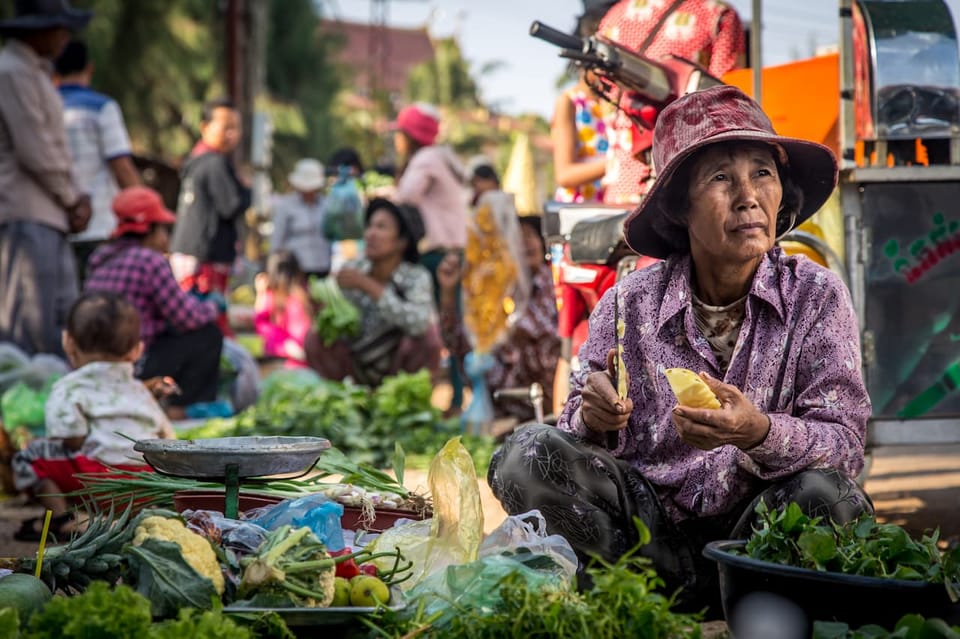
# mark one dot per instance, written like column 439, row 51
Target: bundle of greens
column 624, row 601
column 908, row 627
column 366, row 424
column 337, row 317
column 291, row 567
column 862, row 547
column 122, row 613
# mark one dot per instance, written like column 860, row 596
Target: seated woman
column 179, row 332
column 282, row 310
column 529, row 351
column 774, row 336
column 394, row 295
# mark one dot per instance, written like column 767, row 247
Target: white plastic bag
column 529, row 530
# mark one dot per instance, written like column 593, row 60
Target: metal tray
column 255, row 456
column 310, row 617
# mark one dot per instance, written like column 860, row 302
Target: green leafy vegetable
column 624, row 602
column 862, row 547
column 122, row 613
column 291, row 568
column 165, row 578
column 99, row 612
column 399, row 462
column 366, row 424
column 908, row 627
column 195, row 623
column 337, row 317
column 9, row 623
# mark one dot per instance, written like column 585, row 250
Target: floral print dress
column 592, row 144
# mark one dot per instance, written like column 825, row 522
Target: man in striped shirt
column 99, row 147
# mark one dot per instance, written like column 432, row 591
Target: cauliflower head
column 196, row 550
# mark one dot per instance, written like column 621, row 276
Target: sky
column 497, row 31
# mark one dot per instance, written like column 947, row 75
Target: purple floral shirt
column 797, row 359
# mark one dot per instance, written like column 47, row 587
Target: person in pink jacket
column 433, row 179
column 282, row 315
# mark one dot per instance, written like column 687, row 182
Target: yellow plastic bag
column 456, row 528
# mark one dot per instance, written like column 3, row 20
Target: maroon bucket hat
column 720, row 114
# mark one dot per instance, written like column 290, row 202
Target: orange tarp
column 802, row 98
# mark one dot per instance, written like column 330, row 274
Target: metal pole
column 847, row 83
column 756, row 51
column 233, row 38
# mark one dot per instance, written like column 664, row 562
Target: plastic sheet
column 24, row 406
column 343, row 209
column 317, row 512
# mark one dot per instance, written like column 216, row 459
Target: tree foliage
column 445, row 80
column 301, row 73
column 160, row 59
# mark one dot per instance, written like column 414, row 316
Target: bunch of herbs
column 624, row 601
column 861, row 547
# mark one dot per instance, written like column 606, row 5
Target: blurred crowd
column 439, row 268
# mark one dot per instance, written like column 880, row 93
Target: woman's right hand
column 601, row 409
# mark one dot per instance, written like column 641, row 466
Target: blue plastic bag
column 316, row 512
column 343, row 209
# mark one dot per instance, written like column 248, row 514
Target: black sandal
column 32, row 529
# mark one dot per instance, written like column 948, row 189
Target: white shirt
column 96, row 134
column 104, row 402
column 298, row 227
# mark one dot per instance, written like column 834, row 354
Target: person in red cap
column 433, row 179
column 773, row 336
column 179, row 332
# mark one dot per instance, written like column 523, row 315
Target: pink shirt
column 293, row 323
column 434, row 182
column 797, row 359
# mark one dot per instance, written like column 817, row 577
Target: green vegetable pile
column 105, row 552
column 862, row 547
column 365, row 424
column 292, row 568
column 116, row 613
column 624, row 601
column 374, row 180
column 908, row 627
column 337, row 317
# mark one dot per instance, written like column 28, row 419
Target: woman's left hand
column 737, row 422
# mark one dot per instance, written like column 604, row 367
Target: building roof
column 382, row 54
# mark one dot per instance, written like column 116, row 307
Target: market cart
column 893, row 228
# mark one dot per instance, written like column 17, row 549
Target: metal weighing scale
column 230, row 460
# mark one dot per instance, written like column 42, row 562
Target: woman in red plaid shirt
column 179, row 331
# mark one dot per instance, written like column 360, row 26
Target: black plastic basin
column 820, row 596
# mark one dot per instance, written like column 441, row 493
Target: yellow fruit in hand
column 368, row 591
column 690, row 389
column 341, row 593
